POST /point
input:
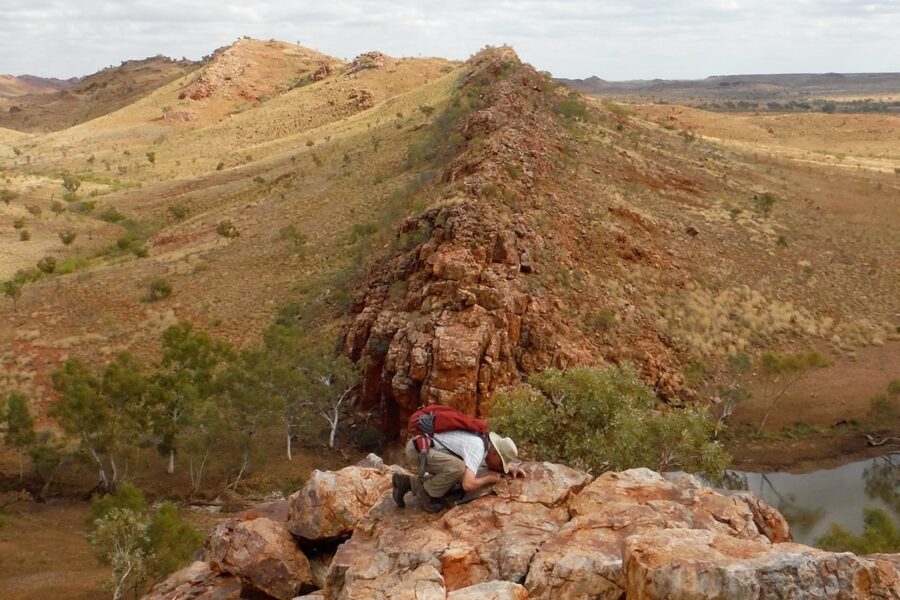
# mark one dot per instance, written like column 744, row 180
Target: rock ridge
column 558, row 533
column 466, row 321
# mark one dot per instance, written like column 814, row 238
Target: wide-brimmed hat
column 505, row 447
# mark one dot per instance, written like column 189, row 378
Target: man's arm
column 470, row 482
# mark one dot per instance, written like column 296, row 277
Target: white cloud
column 573, row 38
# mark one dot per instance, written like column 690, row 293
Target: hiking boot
column 429, row 503
column 400, row 484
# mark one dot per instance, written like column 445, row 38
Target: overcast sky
column 624, row 39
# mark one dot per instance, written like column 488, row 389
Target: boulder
column 332, row 502
column 491, row 590
column 681, row 564
column 491, row 538
column 583, row 559
column 262, row 554
column 197, row 581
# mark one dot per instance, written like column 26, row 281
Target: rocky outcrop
column 262, row 554
column 322, row 71
column 679, row 564
column 558, row 533
column 331, row 503
column 492, row 538
column 198, row 581
column 467, row 300
column 366, row 61
column 226, row 66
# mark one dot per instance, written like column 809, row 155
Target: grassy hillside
column 462, row 225
column 92, row 96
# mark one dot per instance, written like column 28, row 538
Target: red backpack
column 434, row 418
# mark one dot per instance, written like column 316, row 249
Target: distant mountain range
column 746, row 87
column 12, row 86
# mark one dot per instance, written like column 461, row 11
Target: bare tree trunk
column 289, row 457
column 170, row 468
column 21, row 466
column 103, row 477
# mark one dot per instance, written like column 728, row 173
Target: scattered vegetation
column 227, row 230
column 764, row 202
column 139, row 544
column 159, row 289
column 67, row 236
column 606, row 419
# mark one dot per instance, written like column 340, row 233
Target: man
column 454, row 464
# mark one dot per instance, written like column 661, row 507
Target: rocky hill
column 12, row 86
column 458, row 225
column 558, row 533
column 92, row 96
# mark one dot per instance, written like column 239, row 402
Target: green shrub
column 24, row 235
column 605, row 419
column 226, row 229
column 71, row 183
column 603, row 319
column 571, row 108
column 159, row 290
column 47, row 264
column 7, row 196
column 84, row 208
column 111, row 215
column 293, row 236
column 764, row 202
column 179, row 211
column 362, row 230
column 18, row 223
column 67, row 236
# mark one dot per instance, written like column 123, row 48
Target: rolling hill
column 457, row 225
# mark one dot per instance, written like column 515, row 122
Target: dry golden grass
column 848, row 140
column 273, row 179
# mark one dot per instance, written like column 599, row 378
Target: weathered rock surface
column 678, row 564
column 455, row 311
column 262, row 554
column 491, row 590
column 332, row 502
column 197, row 581
column 584, row 558
column 492, row 538
column 558, row 533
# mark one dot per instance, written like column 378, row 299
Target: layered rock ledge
column 559, row 533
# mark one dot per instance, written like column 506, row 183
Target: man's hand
column 516, row 472
column 470, row 482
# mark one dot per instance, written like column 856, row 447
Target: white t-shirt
column 465, row 444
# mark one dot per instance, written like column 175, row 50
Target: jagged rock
column 321, row 72
column 584, row 558
column 365, row 61
column 277, row 510
column 491, row 538
column 262, row 554
column 492, row 590
column 554, row 534
column 197, row 581
column 226, row 66
column 361, row 99
column 331, row 503
column 678, row 564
